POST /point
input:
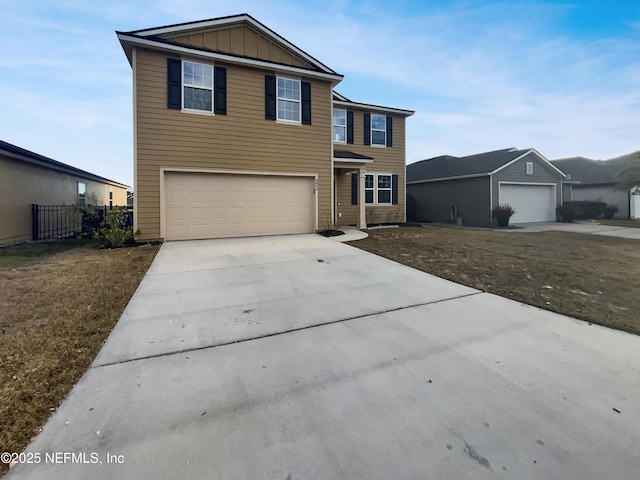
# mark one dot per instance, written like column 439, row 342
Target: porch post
column 362, row 217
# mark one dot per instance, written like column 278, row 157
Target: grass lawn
column 590, row 277
column 59, row 302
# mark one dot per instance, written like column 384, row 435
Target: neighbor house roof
column 153, row 38
column 27, row 156
column 593, row 172
column 449, row 167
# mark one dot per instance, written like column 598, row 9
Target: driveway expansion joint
column 284, row 332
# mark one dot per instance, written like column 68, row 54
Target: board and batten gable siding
column 386, row 160
column 516, row 172
column 241, row 140
column 469, row 195
column 22, row 184
column 240, row 40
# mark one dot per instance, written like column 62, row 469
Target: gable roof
column 27, row 156
column 594, row 172
column 153, row 38
column 343, row 101
column 449, row 167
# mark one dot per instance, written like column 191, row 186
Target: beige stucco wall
column 386, row 160
column 241, row 140
column 22, row 184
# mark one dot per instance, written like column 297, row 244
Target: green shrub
column 503, row 213
column 565, row 213
column 587, row 209
column 113, row 232
column 610, row 211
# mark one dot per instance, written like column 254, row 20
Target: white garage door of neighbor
column 207, row 205
column 532, row 203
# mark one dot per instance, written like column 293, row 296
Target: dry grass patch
column 54, row 316
column 590, row 277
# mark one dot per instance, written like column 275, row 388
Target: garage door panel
column 532, row 203
column 200, row 205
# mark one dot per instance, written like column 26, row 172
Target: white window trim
column 333, row 125
column 529, row 168
column 378, row 130
column 375, row 190
column 182, row 85
column 299, row 102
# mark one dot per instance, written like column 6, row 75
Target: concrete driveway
column 298, row 357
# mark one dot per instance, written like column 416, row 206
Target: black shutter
column 354, row 189
column 269, row 97
column 394, row 187
column 349, row 126
column 306, row 102
column 389, row 131
column 220, row 95
column 174, row 83
column 367, row 128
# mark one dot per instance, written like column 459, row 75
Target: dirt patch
column 584, row 276
column 55, row 312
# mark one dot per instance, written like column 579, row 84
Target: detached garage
column 470, row 187
column 200, row 205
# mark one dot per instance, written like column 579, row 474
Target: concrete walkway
column 578, row 227
column 298, row 357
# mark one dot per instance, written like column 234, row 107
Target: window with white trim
column 378, row 189
column 110, row 197
column 378, row 129
column 288, row 96
column 384, row 190
column 339, row 125
column 197, row 86
column 81, row 193
column 369, row 189
column 529, row 168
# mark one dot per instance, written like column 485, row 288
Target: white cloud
column 480, row 75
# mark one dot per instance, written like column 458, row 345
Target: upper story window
column 110, row 197
column 197, row 84
column 529, row 168
column 339, row 125
column 378, row 129
column 288, row 92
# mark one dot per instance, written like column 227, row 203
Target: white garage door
column 532, row 203
column 203, row 205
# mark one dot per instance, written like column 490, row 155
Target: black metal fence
column 63, row 221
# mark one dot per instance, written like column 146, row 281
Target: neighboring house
column 475, row 184
column 238, row 132
column 27, row 178
column 596, row 180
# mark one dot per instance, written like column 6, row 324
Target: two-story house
column 238, row 132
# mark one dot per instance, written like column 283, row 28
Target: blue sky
column 562, row 77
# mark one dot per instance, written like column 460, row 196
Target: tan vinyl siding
column 242, row 140
column 22, row 184
column 241, row 40
column 386, row 160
